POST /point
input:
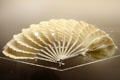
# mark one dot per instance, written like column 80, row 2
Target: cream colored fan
column 61, row 39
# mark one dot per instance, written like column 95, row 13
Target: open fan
column 58, row 40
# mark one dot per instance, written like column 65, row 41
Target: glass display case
column 16, row 15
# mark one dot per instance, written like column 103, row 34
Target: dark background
column 18, row 14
